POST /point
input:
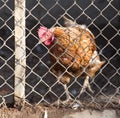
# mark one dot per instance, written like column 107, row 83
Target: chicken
column 73, row 53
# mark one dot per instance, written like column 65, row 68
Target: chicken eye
column 47, row 35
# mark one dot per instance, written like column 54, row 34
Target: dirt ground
column 39, row 112
column 36, row 112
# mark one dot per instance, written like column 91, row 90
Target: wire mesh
column 102, row 18
column 6, row 52
column 42, row 85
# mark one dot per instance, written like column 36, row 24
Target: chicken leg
column 67, row 94
column 65, row 79
column 86, row 84
column 73, row 103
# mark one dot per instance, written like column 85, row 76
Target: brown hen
column 73, row 52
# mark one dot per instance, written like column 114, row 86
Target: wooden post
column 20, row 52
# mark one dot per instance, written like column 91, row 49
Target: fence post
column 20, row 52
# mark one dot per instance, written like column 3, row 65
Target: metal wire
column 6, row 52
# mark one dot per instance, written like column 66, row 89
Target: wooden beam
column 20, row 52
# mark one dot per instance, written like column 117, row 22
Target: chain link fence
column 102, row 17
column 7, row 48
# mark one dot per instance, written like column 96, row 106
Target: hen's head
column 45, row 35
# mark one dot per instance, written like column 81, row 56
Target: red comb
column 45, row 35
column 41, row 31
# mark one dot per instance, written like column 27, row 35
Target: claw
column 76, row 105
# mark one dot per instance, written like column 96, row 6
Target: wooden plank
column 20, row 52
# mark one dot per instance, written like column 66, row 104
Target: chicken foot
column 86, row 84
column 67, row 94
column 68, row 97
column 64, row 80
column 74, row 104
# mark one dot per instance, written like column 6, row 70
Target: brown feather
column 74, row 48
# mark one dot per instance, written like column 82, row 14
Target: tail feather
column 68, row 22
